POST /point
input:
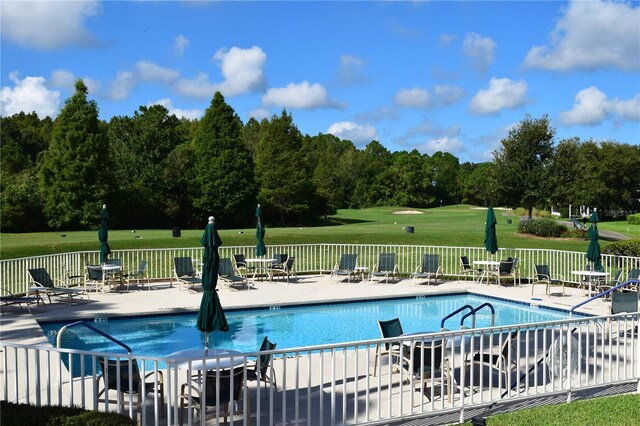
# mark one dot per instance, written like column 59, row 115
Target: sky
column 428, row 75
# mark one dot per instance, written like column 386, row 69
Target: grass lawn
column 460, row 225
column 622, row 410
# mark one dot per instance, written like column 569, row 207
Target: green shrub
column 535, row 213
column 547, row 228
column 56, row 415
column 634, row 219
column 579, row 234
column 623, row 248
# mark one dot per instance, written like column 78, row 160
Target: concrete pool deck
column 18, row 325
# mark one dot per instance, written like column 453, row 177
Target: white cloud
column 66, row 80
column 356, row 133
column 29, row 95
column 591, row 106
column 148, row 71
column 180, row 44
column 190, row 114
column 351, row 71
column 123, row 84
column 480, row 50
column 417, row 97
column 628, row 110
column 243, row 70
column 592, row 34
column 303, row 96
column 502, row 93
column 48, row 25
column 447, row 38
column 199, row 87
column 443, row 144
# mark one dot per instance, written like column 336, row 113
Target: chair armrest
column 160, row 376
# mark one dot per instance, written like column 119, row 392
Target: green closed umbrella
column 103, row 235
column 261, row 250
column 211, row 315
column 490, row 237
column 593, row 252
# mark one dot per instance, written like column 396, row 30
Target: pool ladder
column 90, row 327
column 472, row 313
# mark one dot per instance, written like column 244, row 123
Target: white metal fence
column 336, row 385
column 309, row 258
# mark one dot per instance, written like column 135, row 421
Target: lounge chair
column 578, row 225
column 241, row 266
column 228, row 276
column 467, row 269
column 284, row 269
column 8, row 299
column 385, row 268
column 263, row 363
column 41, row 282
column 388, row 329
column 429, row 268
column 138, row 274
column 221, row 388
column 115, row 375
column 543, row 276
column 185, row 274
column 345, row 268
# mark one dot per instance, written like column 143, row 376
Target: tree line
column 154, row 170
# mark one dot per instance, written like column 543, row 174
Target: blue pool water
column 290, row 327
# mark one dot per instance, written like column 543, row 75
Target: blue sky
column 433, row 75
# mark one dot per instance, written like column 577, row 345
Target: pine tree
column 75, row 168
column 224, row 168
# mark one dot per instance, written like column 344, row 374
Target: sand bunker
column 407, row 212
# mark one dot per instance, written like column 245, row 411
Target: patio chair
column 506, row 270
column 115, row 376
column 138, row 274
column 503, row 362
column 625, row 302
column 95, row 280
column 634, row 274
column 263, row 363
column 41, row 282
column 604, row 285
column 385, row 267
column 222, row 388
column 389, row 328
column 429, row 268
column 543, row 276
column 345, row 268
column 426, row 361
column 8, row 299
column 284, row 269
column 185, row 274
column 241, row 266
column 467, row 269
column 228, row 276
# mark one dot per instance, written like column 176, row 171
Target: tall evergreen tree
column 224, row 169
column 75, row 170
column 286, row 192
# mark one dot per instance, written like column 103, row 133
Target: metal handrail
column 604, row 293
column 473, row 313
column 90, row 327
column 457, row 311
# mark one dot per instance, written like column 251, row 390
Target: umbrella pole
column 206, row 342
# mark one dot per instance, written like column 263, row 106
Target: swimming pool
column 290, row 327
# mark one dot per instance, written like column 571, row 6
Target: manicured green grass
column 460, row 225
column 622, row 410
